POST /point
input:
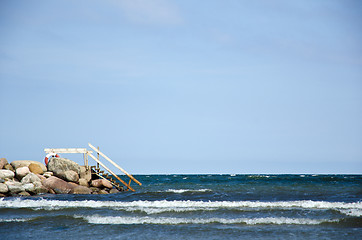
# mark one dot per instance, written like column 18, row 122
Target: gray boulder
column 58, row 185
column 39, row 188
column 83, row 182
column 15, row 187
column 25, row 163
column 3, row 162
column 29, row 187
column 60, row 165
column 69, row 176
column 30, row 178
column 6, row 174
column 3, row 188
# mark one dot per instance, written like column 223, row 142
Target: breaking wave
column 176, row 221
column 152, row 207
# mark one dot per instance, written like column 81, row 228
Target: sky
column 183, row 86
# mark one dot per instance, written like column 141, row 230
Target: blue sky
column 185, row 86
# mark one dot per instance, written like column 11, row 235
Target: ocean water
column 196, row 207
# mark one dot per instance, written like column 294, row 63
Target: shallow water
column 197, row 207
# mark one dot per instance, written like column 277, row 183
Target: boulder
column 22, row 172
column 58, row 185
column 29, row 187
column 30, row 178
column 48, row 174
column 35, row 168
column 60, row 165
column 113, row 190
column 107, row 183
column 3, row 162
column 102, row 191
column 83, row 182
column 3, row 188
column 80, row 189
column 6, row 174
column 15, row 187
column 24, row 194
column 9, row 167
column 26, row 163
column 85, row 173
column 69, row 176
column 39, row 188
column 99, row 183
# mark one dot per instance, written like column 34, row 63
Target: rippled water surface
column 196, row 207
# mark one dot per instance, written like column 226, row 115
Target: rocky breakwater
column 60, row 176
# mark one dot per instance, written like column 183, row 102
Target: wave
column 187, row 190
column 153, row 207
column 16, row 220
column 176, row 221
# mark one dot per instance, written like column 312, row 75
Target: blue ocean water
column 196, row 207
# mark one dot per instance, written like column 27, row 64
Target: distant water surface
column 196, row 207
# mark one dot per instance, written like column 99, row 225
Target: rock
column 3, row 162
column 3, row 188
column 85, row 173
column 83, row 182
column 107, row 183
column 94, row 189
column 48, row 174
column 26, row 163
column 15, row 187
column 97, row 183
column 58, row 185
column 41, row 177
column 81, row 190
column 60, row 165
column 30, row 178
column 2, row 195
column 24, row 194
column 21, row 172
column 9, row 167
column 102, row 191
column 29, row 187
column 35, row 168
column 113, row 190
column 101, row 183
column 6, row 174
column 69, row 176
column 39, row 188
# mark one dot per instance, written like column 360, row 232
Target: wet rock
column 24, row 194
column 22, row 172
column 3, row 162
column 69, row 176
column 35, row 168
column 60, row 165
column 58, row 185
column 6, row 174
column 26, row 163
column 3, row 188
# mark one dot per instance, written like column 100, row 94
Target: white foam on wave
column 188, row 190
column 153, row 207
column 15, row 220
column 176, row 221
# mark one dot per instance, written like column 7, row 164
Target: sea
column 196, row 207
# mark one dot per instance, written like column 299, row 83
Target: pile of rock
column 60, row 176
